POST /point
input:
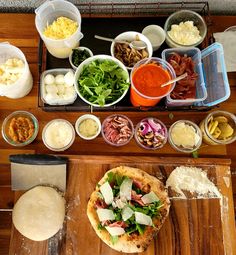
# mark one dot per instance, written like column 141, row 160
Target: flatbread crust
column 133, row 243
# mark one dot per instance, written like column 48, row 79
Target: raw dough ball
column 39, row 213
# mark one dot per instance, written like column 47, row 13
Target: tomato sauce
column 147, row 79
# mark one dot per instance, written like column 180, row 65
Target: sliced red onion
column 155, row 126
column 145, row 128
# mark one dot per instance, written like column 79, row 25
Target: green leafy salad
column 124, row 208
column 102, row 82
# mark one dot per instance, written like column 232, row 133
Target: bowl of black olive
column 78, row 55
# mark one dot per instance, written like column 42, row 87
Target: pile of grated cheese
column 193, row 180
column 61, row 28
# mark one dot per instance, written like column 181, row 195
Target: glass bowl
column 182, row 16
column 114, row 127
column 56, row 132
column 185, row 136
column 208, row 138
column 147, row 139
column 86, row 117
column 9, row 128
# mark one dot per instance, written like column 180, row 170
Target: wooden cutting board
column 194, row 226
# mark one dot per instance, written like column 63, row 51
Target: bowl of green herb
column 78, row 55
column 101, row 81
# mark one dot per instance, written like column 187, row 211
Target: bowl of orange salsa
column 146, row 77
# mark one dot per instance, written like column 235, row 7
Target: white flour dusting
column 193, row 180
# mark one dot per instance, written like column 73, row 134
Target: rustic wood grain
column 19, row 29
column 194, row 226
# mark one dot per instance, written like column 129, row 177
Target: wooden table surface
column 19, row 29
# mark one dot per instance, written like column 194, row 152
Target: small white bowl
column 155, row 34
column 130, row 36
column 84, row 117
column 79, row 48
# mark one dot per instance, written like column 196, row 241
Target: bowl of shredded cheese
column 185, row 28
column 59, row 25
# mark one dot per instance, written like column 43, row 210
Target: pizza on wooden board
column 127, row 208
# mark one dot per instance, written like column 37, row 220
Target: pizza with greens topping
column 128, row 208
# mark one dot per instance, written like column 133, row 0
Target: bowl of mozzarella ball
column 185, row 28
column 57, row 86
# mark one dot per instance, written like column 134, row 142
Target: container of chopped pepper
column 78, row 55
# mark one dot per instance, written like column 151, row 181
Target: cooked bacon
column 121, row 224
column 100, row 203
column 137, row 184
column 105, row 223
column 185, row 88
column 136, row 198
column 117, row 130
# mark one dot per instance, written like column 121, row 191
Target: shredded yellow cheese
column 61, row 28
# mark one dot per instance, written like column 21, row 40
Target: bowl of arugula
column 101, row 81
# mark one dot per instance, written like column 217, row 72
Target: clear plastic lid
column 215, row 75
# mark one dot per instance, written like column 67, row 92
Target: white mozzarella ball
column 49, row 79
column 52, row 88
column 59, row 79
column 61, row 89
column 51, row 96
column 69, row 79
column 69, row 93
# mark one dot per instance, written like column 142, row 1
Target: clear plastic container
column 139, row 99
column 201, row 93
column 215, row 75
column 182, row 148
column 59, row 101
column 6, row 125
column 182, row 16
column 210, row 139
column 143, row 141
column 51, row 138
column 24, row 84
column 104, row 134
column 49, row 12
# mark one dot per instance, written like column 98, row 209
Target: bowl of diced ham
column 117, row 130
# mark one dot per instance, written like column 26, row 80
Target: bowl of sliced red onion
column 117, row 130
column 151, row 133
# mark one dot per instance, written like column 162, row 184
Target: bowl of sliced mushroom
column 129, row 56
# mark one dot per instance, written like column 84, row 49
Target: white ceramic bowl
column 78, row 48
column 130, row 36
column 155, row 34
column 84, row 117
column 86, row 62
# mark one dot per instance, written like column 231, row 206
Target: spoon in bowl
column 137, row 45
column 174, row 80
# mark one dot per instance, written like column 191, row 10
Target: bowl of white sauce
column 58, row 135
